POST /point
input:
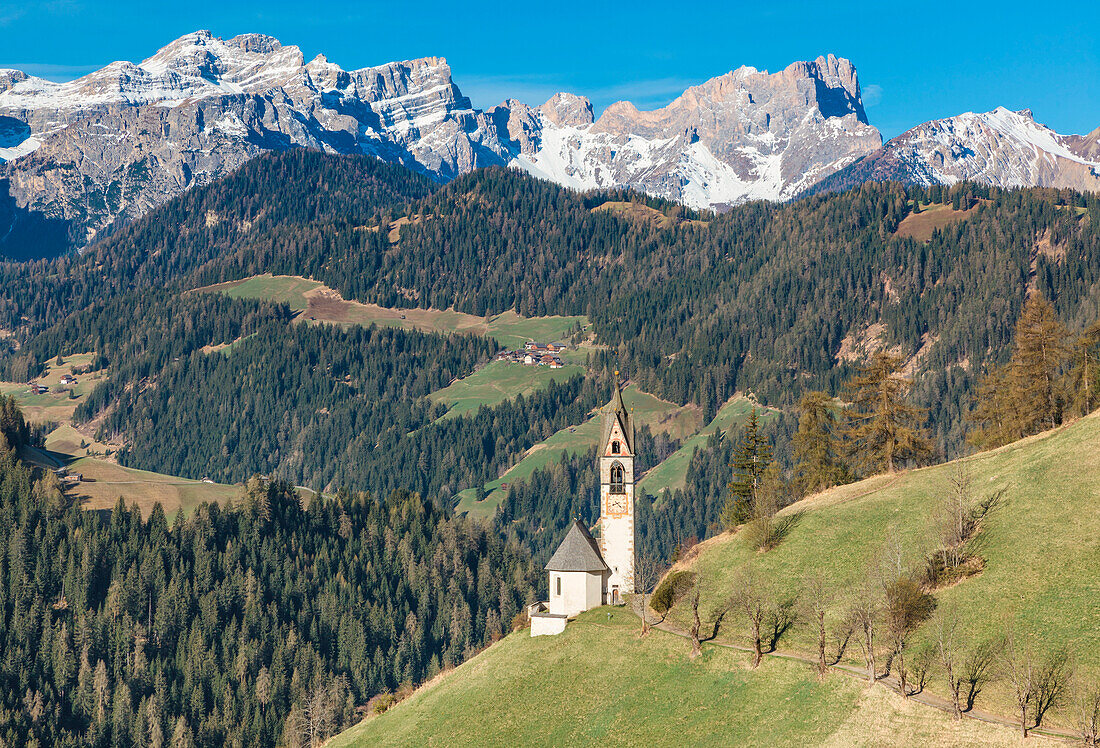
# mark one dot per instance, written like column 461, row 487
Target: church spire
column 616, row 412
column 616, row 404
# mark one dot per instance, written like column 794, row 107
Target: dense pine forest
column 261, row 623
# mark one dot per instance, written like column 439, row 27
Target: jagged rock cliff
column 742, row 136
column 114, row 143
column 83, row 154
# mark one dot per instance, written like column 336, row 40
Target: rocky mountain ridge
column 742, row 136
column 83, row 154
column 80, row 156
column 1000, row 148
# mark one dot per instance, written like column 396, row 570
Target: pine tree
column 817, row 462
column 882, row 427
column 751, row 458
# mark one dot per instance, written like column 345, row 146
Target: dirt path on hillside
column 924, row 697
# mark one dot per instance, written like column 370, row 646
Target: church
column 584, row 572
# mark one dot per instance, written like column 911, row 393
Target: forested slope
column 773, row 299
column 248, row 625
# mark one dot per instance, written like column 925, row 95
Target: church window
column 557, row 581
column 615, row 447
column 617, row 480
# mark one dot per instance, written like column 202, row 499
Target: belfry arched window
column 617, row 480
column 615, row 447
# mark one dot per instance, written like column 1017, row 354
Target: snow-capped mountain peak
column 744, row 135
column 1002, row 148
column 115, row 142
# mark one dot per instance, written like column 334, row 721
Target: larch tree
column 1038, row 356
column 1085, row 375
column 1025, row 395
column 883, row 429
column 817, row 460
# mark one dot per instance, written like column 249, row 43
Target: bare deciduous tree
column 947, row 626
column 1087, row 703
column 1052, row 679
column 320, row 708
column 842, row 637
column 978, row 669
column 647, row 572
column 754, row 601
column 1019, row 667
column 907, row 606
column 865, row 611
column 817, row 597
column 921, row 666
column 696, row 650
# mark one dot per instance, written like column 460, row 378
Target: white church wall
column 577, row 592
column 594, row 586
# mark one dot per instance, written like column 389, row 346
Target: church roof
column 617, row 412
column 578, row 552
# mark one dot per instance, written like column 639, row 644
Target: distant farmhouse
column 535, row 354
column 585, row 573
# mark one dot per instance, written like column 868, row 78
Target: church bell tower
column 617, row 496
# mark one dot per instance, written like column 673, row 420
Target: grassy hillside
column 319, row 303
column 497, row 382
column 1040, row 548
column 600, row 684
column 660, row 415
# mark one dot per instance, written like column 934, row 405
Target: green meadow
column 599, row 683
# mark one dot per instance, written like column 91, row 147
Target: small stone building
column 578, row 580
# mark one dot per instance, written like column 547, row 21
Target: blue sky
column 916, row 61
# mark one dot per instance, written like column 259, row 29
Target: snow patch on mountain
column 116, row 142
column 747, row 135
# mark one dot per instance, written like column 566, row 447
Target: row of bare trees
column 881, row 617
column 881, row 614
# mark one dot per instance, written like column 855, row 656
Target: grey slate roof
column 616, row 411
column 578, row 552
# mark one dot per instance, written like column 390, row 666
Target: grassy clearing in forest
column 318, row 303
column 497, row 382
column 934, row 217
column 284, row 289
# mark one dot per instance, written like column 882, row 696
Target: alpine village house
column 585, row 573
